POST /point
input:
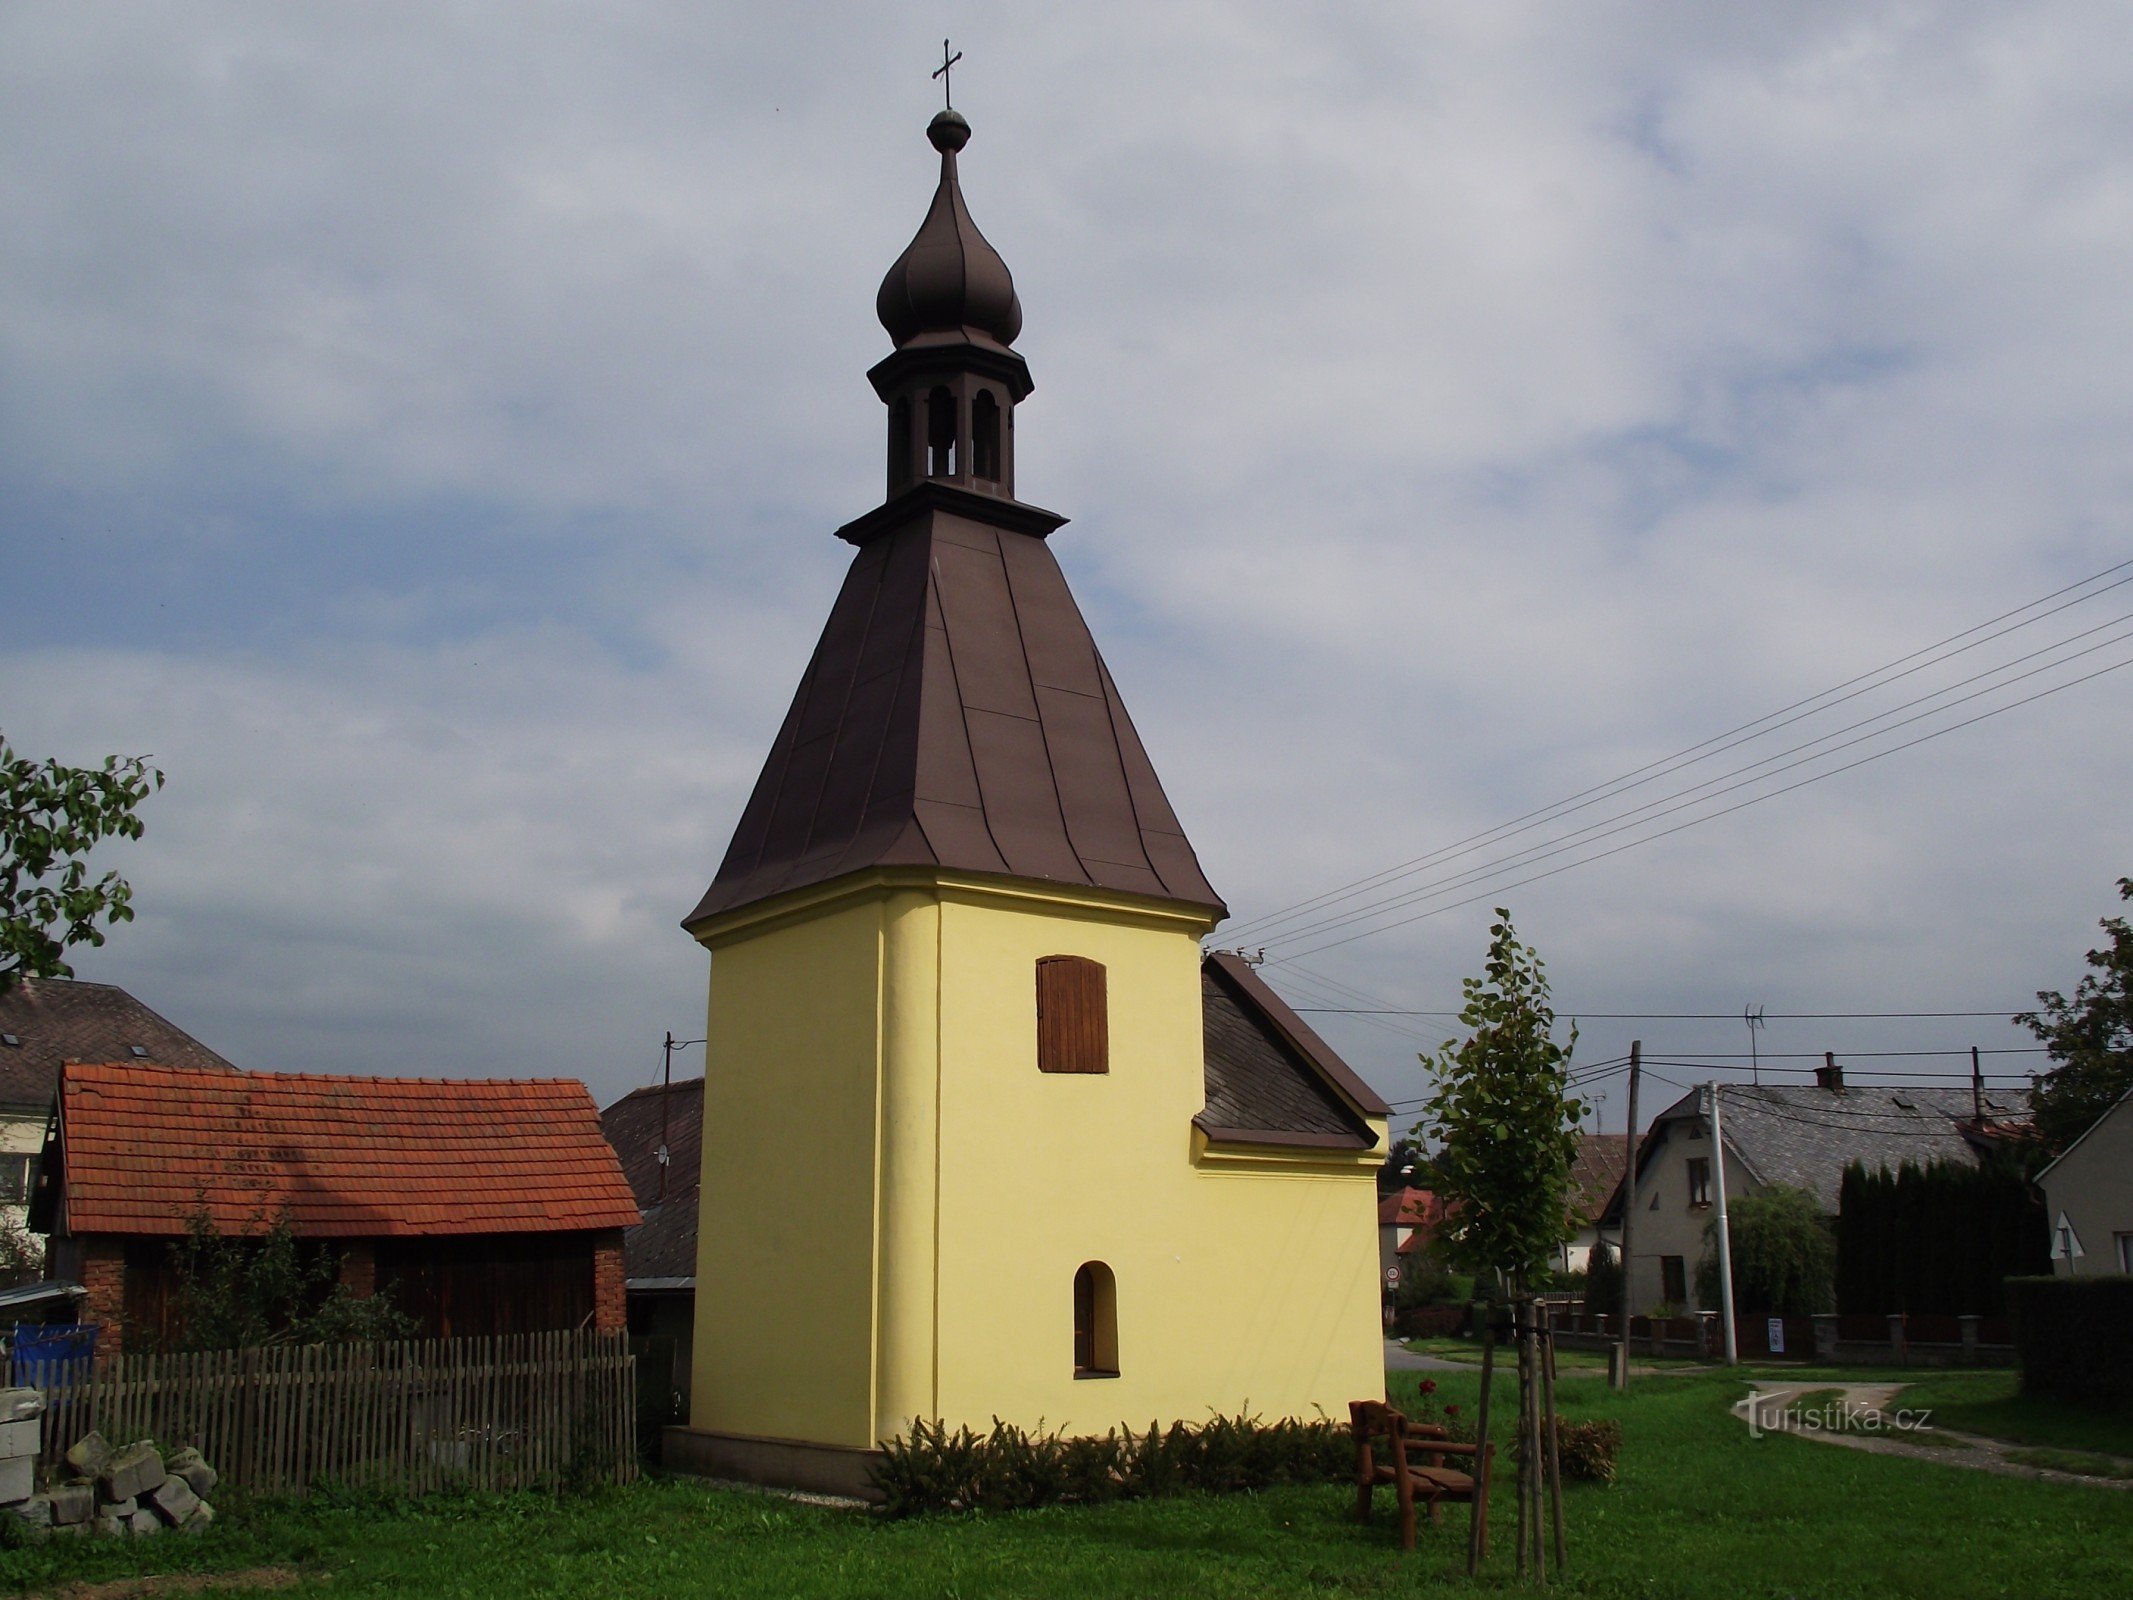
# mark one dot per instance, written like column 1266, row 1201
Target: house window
column 1073, row 1021
column 1095, row 1322
column 1699, row 1180
column 18, row 1179
column 1673, row 1281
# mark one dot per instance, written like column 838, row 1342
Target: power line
column 1677, row 1016
column 1644, row 774
column 1742, row 805
column 1712, row 788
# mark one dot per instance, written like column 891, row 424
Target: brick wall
column 610, row 1303
column 103, row 1274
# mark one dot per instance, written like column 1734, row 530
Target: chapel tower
column 966, row 1152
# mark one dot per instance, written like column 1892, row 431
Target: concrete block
column 197, row 1523
column 36, row 1510
column 142, row 1523
column 90, row 1454
column 107, row 1527
column 189, row 1465
column 70, row 1530
column 173, row 1500
column 73, row 1503
column 24, row 1438
column 16, row 1404
column 119, row 1508
column 132, row 1471
column 18, row 1477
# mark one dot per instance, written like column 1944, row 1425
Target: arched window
column 940, row 434
column 1095, row 1321
column 985, row 436
column 1073, row 1015
column 900, row 442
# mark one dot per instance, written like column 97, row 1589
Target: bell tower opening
column 940, row 432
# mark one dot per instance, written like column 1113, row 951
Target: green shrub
column 1586, row 1450
column 1012, row 1469
column 2074, row 1338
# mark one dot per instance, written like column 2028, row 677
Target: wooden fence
column 515, row 1412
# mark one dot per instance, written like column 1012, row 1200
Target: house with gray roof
column 1794, row 1136
column 45, row 1022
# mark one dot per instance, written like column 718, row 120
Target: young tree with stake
column 1506, row 1127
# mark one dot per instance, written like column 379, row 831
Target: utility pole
column 1629, row 1208
column 1725, row 1240
column 1977, row 1087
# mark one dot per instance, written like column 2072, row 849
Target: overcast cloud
column 422, row 427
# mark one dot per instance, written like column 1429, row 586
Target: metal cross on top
column 941, row 72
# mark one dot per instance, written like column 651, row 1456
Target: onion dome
column 949, row 284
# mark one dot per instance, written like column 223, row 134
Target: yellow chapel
column 986, row 1134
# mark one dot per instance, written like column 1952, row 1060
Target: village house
column 659, row 1253
column 1407, row 1222
column 45, row 1022
column 986, row 1134
column 1594, row 1173
column 2088, row 1195
column 480, row 1206
column 1793, row 1136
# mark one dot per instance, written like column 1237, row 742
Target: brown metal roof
column 957, row 714
column 53, row 1020
column 1270, row 1079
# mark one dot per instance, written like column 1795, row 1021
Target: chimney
column 1829, row 1075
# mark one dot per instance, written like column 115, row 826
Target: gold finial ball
column 948, row 131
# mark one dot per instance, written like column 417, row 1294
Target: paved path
column 1768, row 1411
column 1398, row 1358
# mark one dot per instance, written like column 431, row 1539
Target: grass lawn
column 1700, row 1510
column 1992, row 1403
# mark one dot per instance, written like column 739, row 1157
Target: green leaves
column 1504, row 1117
column 50, row 817
column 2089, row 1036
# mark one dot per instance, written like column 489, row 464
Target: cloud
column 424, row 428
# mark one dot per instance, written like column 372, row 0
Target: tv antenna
column 1753, row 1017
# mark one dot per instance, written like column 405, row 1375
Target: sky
column 422, row 429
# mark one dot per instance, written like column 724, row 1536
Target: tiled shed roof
column 63, row 1019
column 142, row 1147
column 663, row 1246
column 1270, row 1078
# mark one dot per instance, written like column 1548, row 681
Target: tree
column 1784, row 1256
column 1505, row 1121
column 51, row 816
column 1406, row 1166
column 1506, row 1126
column 265, row 1286
column 2089, row 1036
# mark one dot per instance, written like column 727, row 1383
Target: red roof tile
column 143, row 1147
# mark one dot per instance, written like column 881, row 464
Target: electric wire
column 1742, row 805
column 1709, row 789
column 1646, row 773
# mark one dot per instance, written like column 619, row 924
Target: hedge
column 2074, row 1337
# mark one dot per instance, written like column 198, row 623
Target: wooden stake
column 1555, row 1444
column 1476, row 1534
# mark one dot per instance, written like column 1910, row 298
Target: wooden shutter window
column 1073, row 1017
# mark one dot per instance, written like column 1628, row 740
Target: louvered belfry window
column 1073, row 1020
